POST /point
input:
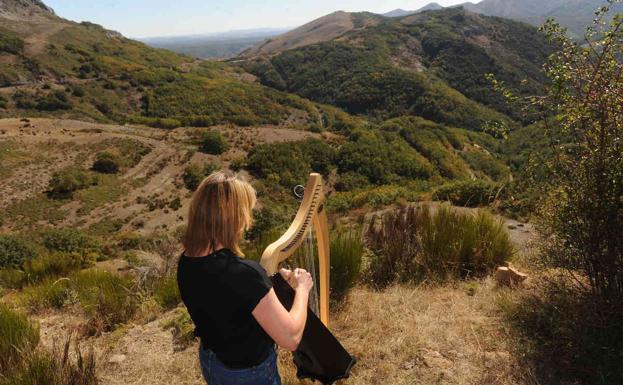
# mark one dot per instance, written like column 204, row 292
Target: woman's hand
column 299, row 279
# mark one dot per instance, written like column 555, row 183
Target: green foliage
column 212, row 142
column 167, row 293
column 69, row 180
column 71, row 241
column 290, row 163
column 17, row 337
column 105, row 297
column 15, row 250
column 10, row 42
column 417, row 243
column 468, row 193
column 195, row 174
column 375, row 197
column 106, row 163
column 51, row 101
column 346, row 255
column 383, row 157
column 3, row 102
column 584, row 213
column 349, row 181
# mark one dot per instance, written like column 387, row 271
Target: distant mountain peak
column 24, row 7
column 401, row 12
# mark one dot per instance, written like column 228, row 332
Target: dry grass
column 424, row 335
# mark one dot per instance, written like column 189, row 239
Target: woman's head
column 219, row 214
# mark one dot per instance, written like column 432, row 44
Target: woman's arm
column 286, row 328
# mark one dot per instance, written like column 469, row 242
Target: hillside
column 324, row 29
column 431, row 64
column 53, row 67
column 573, row 14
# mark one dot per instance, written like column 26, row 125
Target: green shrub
column 212, row 142
column 50, row 293
column 195, row 174
column 237, row 163
column 350, row 181
column 468, row 193
column 15, row 250
column 3, row 102
column 290, row 163
column 105, row 297
column 167, row 293
column 11, row 42
column 71, row 241
column 106, row 163
column 17, row 337
column 55, row 265
column 65, row 182
column 417, row 243
column 346, row 254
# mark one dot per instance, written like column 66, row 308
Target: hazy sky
column 142, row 18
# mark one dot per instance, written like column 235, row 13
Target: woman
column 231, row 301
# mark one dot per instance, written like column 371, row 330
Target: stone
column 117, row 359
column 509, row 277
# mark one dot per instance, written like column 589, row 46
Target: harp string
column 305, row 258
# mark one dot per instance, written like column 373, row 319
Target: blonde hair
column 220, row 212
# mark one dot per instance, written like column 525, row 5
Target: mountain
column 401, row 12
column 213, row 46
column 397, row 13
column 50, row 66
column 573, row 14
column 431, row 64
column 324, row 29
column 21, row 8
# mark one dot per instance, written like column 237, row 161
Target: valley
column 450, row 142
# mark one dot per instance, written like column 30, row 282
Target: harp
column 309, row 223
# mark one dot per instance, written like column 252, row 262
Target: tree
column 212, row 142
column 583, row 217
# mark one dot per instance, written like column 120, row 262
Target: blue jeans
column 216, row 373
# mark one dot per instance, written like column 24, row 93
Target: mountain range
column 573, row 14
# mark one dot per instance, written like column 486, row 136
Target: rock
column 117, row 359
column 508, row 276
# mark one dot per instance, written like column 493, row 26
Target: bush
column 15, row 250
column 71, row 241
column 50, row 293
column 418, row 243
column 3, row 102
column 195, row 174
column 346, row 254
column 212, row 142
column 17, row 337
column 468, row 193
column 65, row 182
column 11, row 43
column 167, row 293
column 106, row 163
column 350, row 181
column 105, row 297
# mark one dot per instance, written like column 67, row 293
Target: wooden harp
column 310, row 216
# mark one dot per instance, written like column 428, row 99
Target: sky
column 150, row 18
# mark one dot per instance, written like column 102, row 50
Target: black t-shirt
column 220, row 291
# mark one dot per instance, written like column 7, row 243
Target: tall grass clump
column 419, row 243
column 346, row 254
column 17, row 337
column 54, row 367
column 108, row 299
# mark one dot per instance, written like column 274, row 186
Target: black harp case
column 320, row 356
